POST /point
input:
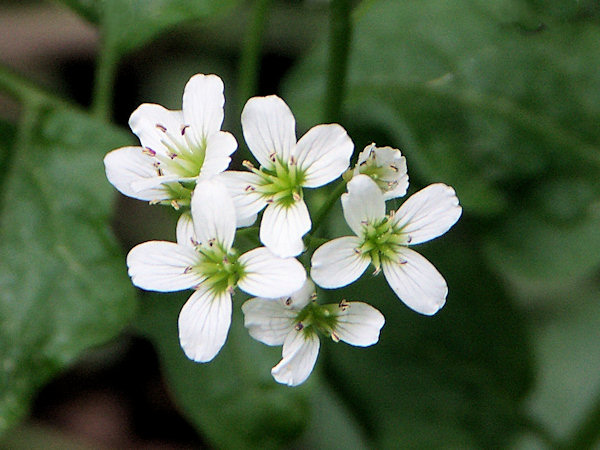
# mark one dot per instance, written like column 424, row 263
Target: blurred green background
column 499, row 99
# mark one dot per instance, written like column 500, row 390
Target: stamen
column 154, row 202
column 313, row 296
column 247, row 164
column 183, row 128
column 357, row 251
column 288, row 301
column 343, row 304
column 335, row 337
column 402, row 261
column 188, row 269
column 161, row 127
column 299, row 326
column 377, row 271
column 296, row 197
column 250, row 188
column 394, row 168
column 292, row 161
column 273, row 157
column 364, row 222
column 175, row 205
column 211, row 242
column 270, row 200
column 408, row 239
column 148, row 151
column 172, row 155
column 194, row 242
column 160, row 172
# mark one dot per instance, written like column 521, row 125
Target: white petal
column 267, row 275
column 282, row 228
column 269, row 126
column 204, row 323
column 359, row 324
column 129, row 165
column 300, row 351
column 429, row 213
column 213, row 213
column 336, row 263
column 219, row 146
column 324, row 153
column 362, row 203
column 149, row 121
column 416, row 281
column 268, row 320
column 203, row 102
column 248, row 202
column 186, row 235
column 161, row 266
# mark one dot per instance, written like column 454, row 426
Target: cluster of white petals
column 384, row 241
column 183, row 161
column 293, row 322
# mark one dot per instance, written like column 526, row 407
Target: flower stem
column 339, row 45
column 250, row 58
column 326, row 207
column 106, row 66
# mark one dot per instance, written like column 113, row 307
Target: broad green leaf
column 232, row 400
column 63, row 281
column 129, row 24
column 454, row 380
column 477, row 94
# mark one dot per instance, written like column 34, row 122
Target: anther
column 249, row 188
column 296, row 197
column 175, row 205
column 194, row 242
column 273, row 157
column 292, row 161
column 343, row 304
column 270, row 200
column 183, row 128
column 148, row 151
column 313, row 296
column 394, row 168
column 377, row 271
column 160, row 172
column 211, row 242
column 172, row 155
column 288, row 301
column 409, row 239
column 357, row 251
column 247, row 164
column 161, row 127
column 299, row 326
column 188, row 269
column 335, row 337
column 402, row 261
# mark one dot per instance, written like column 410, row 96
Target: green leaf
column 476, row 93
column 63, row 281
column 456, row 379
column 129, row 24
column 232, row 400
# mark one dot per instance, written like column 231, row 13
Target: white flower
column 383, row 241
column 178, row 147
column 203, row 259
column 287, row 166
column 294, row 322
column 387, row 167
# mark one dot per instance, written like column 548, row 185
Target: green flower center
column 282, row 184
column 221, row 268
column 381, row 240
column 315, row 318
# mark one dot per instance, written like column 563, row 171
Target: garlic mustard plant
column 205, row 260
column 384, row 240
column 286, row 166
column 177, row 147
column 297, row 320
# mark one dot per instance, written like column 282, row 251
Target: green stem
column 326, row 207
column 251, row 52
column 339, row 46
column 106, row 67
column 24, row 90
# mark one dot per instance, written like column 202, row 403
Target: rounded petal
column 213, row 213
column 186, row 235
column 126, row 167
column 336, row 263
column 269, row 276
column 203, row 102
column 269, row 127
column 428, row 213
column 149, row 122
column 204, row 323
column 359, row 324
column 241, row 187
column 300, row 351
column 362, row 203
column 416, row 281
column 268, row 321
column 162, row 266
column 219, row 146
column 324, row 154
column 282, row 228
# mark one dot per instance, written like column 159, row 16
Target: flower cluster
column 183, row 161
